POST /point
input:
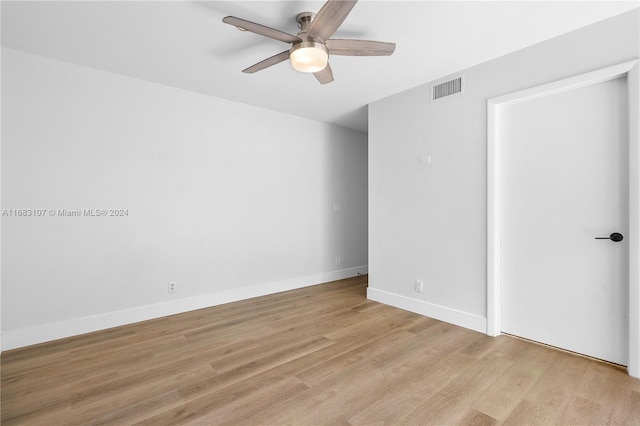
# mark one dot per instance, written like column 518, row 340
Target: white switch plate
column 336, row 208
column 424, row 160
column 419, row 286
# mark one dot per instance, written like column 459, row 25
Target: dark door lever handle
column 616, row 236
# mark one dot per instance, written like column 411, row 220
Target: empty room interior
column 320, row 212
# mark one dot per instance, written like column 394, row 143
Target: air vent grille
column 447, row 88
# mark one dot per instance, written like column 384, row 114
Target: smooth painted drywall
column 428, row 222
column 223, row 198
column 0, row 191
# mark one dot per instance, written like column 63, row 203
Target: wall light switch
column 336, row 208
column 424, row 160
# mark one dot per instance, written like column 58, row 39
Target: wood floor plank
column 627, row 411
column 445, row 406
column 475, row 418
column 514, row 384
column 142, row 395
column 208, row 402
column 245, row 369
column 329, row 401
column 389, row 411
column 316, row 355
column 580, row 411
column 267, row 396
column 334, row 367
column 505, row 393
column 604, row 383
column 530, row 413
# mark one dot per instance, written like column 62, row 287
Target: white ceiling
column 185, row 44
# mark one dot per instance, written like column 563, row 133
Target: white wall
column 0, row 194
column 429, row 222
column 227, row 200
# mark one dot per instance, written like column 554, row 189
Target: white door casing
column 630, row 71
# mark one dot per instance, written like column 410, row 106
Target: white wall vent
column 447, row 88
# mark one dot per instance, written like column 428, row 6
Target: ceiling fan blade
column 329, row 18
column 360, row 47
column 325, row 76
column 275, row 59
column 245, row 25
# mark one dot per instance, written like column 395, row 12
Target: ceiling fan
column 311, row 47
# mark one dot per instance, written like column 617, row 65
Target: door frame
column 630, row 70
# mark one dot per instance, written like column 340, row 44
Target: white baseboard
column 46, row 332
column 442, row 313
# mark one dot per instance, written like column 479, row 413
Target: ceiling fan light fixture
column 310, row 48
column 309, row 56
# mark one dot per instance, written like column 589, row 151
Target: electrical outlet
column 172, row 286
column 419, row 286
column 337, row 261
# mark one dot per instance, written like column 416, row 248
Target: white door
column 564, row 182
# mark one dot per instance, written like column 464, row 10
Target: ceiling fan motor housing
column 309, row 55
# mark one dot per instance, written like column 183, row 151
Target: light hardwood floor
column 318, row 355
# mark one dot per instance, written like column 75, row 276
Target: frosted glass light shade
column 309, row 56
